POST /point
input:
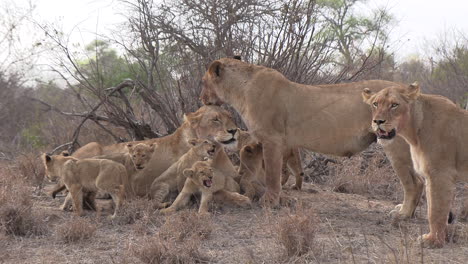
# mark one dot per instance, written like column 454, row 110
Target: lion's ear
column 216, row 69
column 248, row 149
column 65, row 153
column 192, row 118
column 193, row 141
column 413, row 91
column 188, row 173
column 47, row 158
column 237, row 57
column 366, row 95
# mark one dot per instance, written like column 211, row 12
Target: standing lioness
column 437, row 132
column 330, row 119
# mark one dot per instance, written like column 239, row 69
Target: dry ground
column 320, row 226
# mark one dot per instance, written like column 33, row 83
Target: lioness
column 203, row 178
column 329, row 119
column 173, row 176
column 437, row 132
column 208, row 121
column 88, row 175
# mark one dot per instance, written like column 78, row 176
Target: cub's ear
column 413, row 91
column 237, row 57
column 152, row 147
column 65, row 153
column 193, row 141
column 216, row 69
column 366, row 95
column 188, row 173
column 129, row 147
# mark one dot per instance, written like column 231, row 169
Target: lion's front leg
column 399, row 155
column 273, row 158
column 440, row 193
column 77, row 197
column 206, row 198
column 183, row 198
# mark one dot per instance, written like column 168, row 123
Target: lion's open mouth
column 139, row 167
column 211, row 152
column 228, row 141
column 382, row 134
column 207, row 183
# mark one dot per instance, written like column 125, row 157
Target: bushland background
column 136, row 82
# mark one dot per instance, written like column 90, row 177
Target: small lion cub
column 202, row 178
column 88, row 175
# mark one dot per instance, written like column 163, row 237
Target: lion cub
column 212, row 185
column 173, row 177
column 87, row 175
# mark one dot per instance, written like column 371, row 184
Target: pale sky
column 419, row 21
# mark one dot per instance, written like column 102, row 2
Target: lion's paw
column 429, row 241
column 168, row 210
column 270, row 199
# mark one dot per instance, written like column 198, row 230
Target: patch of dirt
column 350, row 228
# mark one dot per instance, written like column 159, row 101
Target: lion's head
column 390, row 108
column 140, row 154
column 215, row 83
column 203, row 147
column 251, row 158
column 201, row 174
column 213, row 122
column 53, row 165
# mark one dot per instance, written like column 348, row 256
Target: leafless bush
column 296, row 232
column 155, row 250
column 139, row 211
column 187, row 225
column 75, row 229
column 368, row 174
column 17, row 216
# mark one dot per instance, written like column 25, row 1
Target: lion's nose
column 232, row 131
column 379, row 121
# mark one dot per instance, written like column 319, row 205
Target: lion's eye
column 143, row 156
column 394, row 105
column 375, row 104
column 134, row 156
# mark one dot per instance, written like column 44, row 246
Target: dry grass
column 371, row 176
column 187, row 225
column 156, row 250
column 17, row 216
column 297, row 232
column 75, row 229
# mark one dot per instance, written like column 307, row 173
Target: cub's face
column 201, row 174
column 204, row 148
column 140, row 154
column 53, row 165
column 251, row 158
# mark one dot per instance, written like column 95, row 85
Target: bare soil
column 349, row 228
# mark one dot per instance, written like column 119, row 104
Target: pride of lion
column 424, row 137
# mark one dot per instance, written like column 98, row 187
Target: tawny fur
column 88, row 175
column 282, row 115
column 173, row 177
column 219, row 190
column 437, row 132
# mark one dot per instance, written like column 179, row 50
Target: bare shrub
column 157, row 250
column 16, row 215
column 296, row 232
column 134, row 210
column 31, row 168
column 75, row 229
column 187, row 225
column 368, row 174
